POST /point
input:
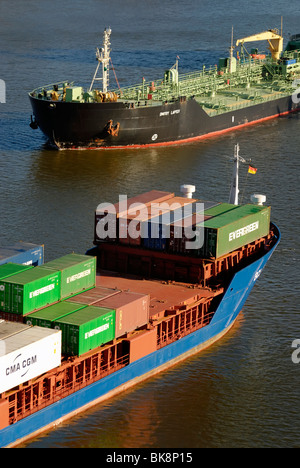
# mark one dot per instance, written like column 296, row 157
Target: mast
column 103, row 57
column 231, row 67
column 234, row 191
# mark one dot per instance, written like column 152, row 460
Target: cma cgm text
column 21, row 365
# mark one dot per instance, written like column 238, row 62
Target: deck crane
column 274, row 39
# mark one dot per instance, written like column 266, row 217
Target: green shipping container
column 10, row 269
column 78, row 273
column 233, row 229
column 30, row 290
column 86, row 329
column 46, row 317
column 219, row 209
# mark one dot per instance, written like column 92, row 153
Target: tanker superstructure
column 243, row 89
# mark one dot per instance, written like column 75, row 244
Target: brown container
column 131, row 224
column 93, row 295
column 114, row 212
column 142, row 344
column 132, row 310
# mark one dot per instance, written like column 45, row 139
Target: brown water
column 244, row 391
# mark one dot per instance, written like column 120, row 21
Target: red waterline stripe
column 192, row 139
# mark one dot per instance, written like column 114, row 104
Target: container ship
column 83, row 328
column 242, row 89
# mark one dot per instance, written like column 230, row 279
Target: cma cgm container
column 132, row 310
column 27, row 355
column 86, row 329
column 111, row 213
column 47, row 316
column 233, row 229
column 22, row 253
column 78, row 273
column 30, row 290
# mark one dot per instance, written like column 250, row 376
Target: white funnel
column 187, row 190
column 258, row 199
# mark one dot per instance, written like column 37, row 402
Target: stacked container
column 179, row 244
column 22, row 253
column 10, row 328
column 78, row 273
column 112, row 213
column 9, row 269
column 86, row 329
column 28, row 354
column 184, row 229
column 130, row 226
column 156, row 231
column 233, row 229
column 93, row 295
column 30, row 290
column 47, row 316
column 181, row 234
column 131, row 311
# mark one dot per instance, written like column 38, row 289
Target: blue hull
column 225, row 316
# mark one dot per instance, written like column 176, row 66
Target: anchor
column 112, row 129
column 33, row 124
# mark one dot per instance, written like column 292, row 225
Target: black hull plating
column 72, row 125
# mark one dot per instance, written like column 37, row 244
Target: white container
column 28, row 354
column 10, row 328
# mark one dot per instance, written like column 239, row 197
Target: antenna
column 103, row 56
column 234, row 190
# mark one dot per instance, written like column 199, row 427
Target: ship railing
column 28, row 401
column 184, row 323
column 219, row 107
column 193, row 83
column 43, row 91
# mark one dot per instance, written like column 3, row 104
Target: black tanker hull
column 116, row 124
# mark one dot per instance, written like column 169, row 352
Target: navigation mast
column 103, row 57
column 234, row 190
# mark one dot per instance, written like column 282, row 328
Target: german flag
column 252, row 170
